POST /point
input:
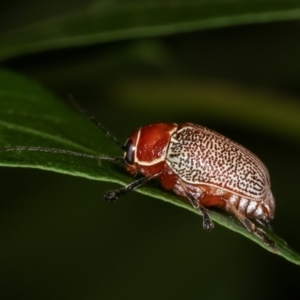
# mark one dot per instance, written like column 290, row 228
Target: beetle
column 202, row 166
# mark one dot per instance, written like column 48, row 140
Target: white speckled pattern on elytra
column 201, row 156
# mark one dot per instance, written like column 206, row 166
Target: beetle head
column 145, row 150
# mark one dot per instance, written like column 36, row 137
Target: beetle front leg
column 115, row 194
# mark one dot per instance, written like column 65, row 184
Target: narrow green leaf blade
column 99, row 22
column 30, row 116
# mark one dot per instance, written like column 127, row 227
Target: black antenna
column 94, row 120
column 59, row 151
column 110, row 195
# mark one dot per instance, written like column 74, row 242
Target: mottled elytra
column 202, row 166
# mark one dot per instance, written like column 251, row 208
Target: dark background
column 59, row 239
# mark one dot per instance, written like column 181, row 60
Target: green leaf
column 102, row 21
column 31, row 116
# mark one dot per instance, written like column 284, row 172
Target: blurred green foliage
column 130, row 64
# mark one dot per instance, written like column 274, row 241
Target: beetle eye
column 129, row 152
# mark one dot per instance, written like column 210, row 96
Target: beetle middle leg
column 208, row 224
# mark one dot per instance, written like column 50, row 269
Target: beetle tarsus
column 262, row 235
column 208, row 224
column 111, row 196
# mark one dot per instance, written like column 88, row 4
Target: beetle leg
column 113, row 195
column 264, row 223
column 208, row 224
column 250, row 226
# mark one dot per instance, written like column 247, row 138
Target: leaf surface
column 31, row 116
column 102, row 21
